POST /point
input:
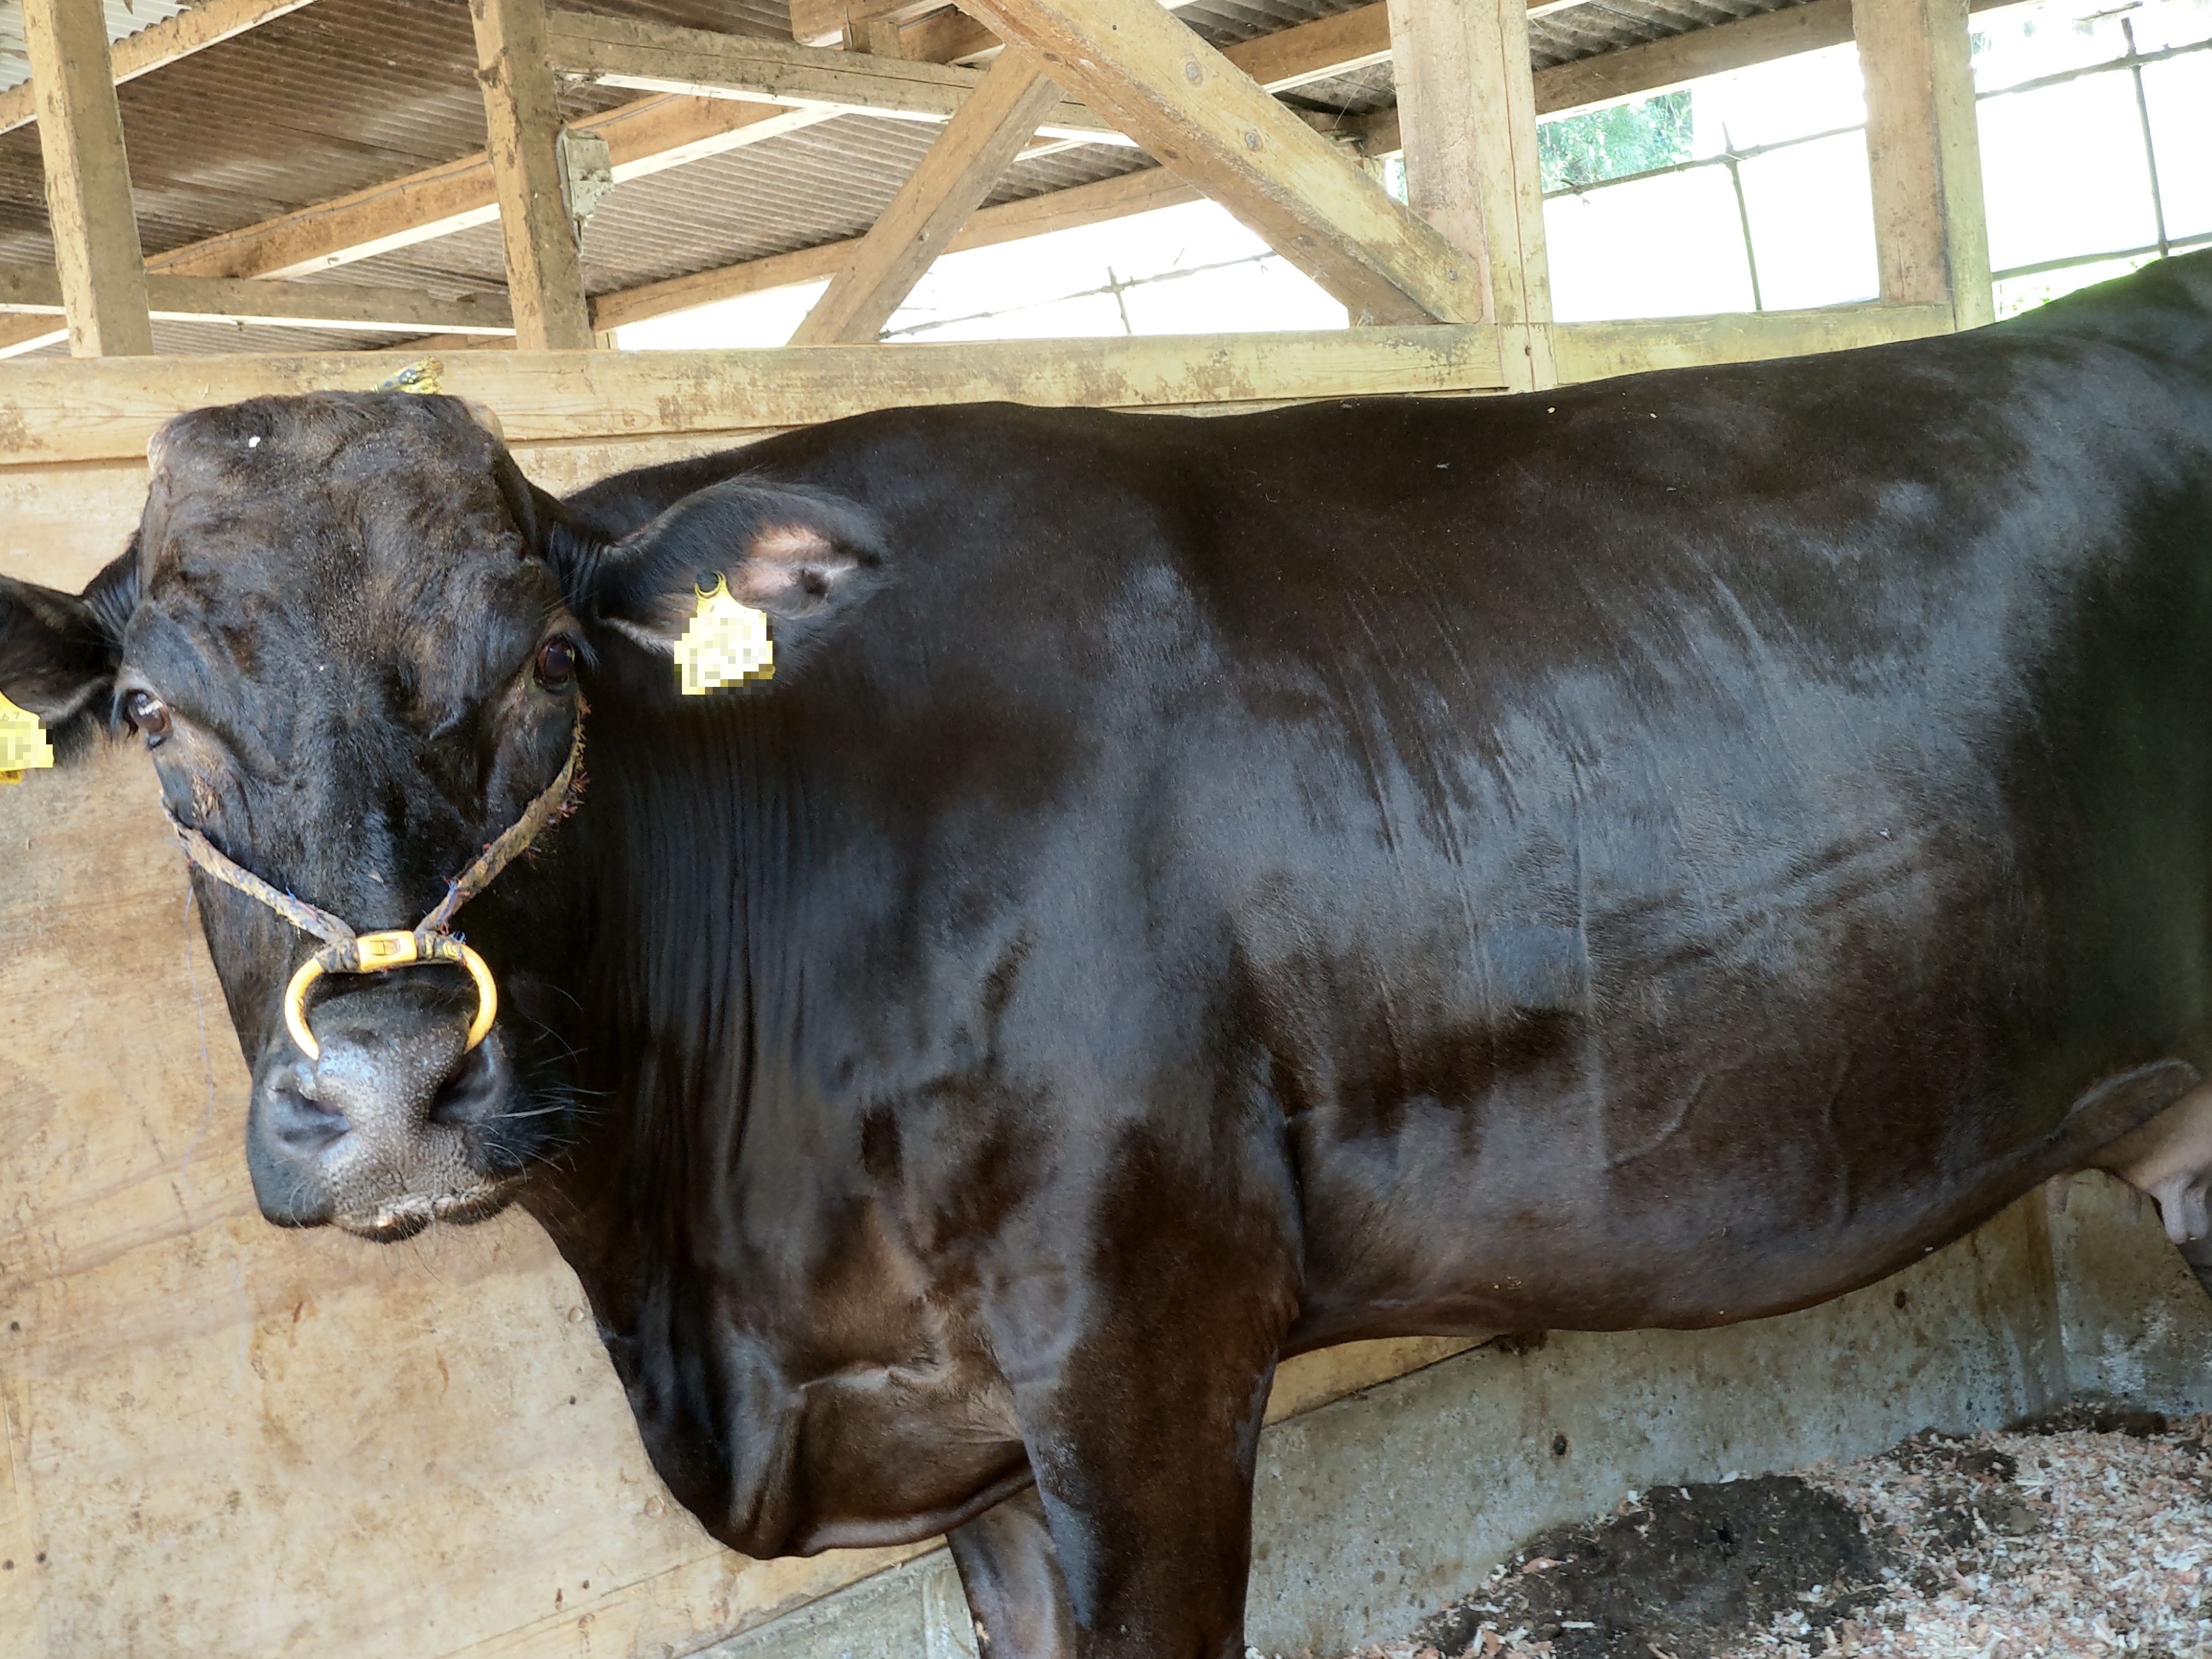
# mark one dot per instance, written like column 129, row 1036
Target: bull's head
column 357, row 644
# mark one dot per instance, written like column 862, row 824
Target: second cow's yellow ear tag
column 726, row 643
column 23, row 745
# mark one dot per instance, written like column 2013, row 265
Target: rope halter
column 428, row 941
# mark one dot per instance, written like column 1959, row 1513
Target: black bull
column 1652, row 854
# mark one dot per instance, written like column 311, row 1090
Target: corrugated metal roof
column 1600, row 25
column 125, row 18
column 347, row 93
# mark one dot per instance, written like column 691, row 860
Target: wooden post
column 976, row 147
column 1136, row 63
column 522, row 118
column 1924, row 154
column 1467, row 105
column 95, row 227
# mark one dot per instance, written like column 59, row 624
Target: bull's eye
column 557, row 663
column 147, row 716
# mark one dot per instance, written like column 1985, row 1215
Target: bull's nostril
column 471, row 1094
column 302, row 1127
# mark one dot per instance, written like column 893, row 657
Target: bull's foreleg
column 1139, row 1367
column 1011, row 1575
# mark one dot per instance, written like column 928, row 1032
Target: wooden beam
column 823, row 23
column 1281, row 62
column 1468, row 109
column 643, row 138
column 946, row 37
column 160, row 43
column 522, row 118
column 1010, row 222
column 628, row 52
column 1923, row 155
column 36, row 290
column 1211, row 122
column 1293, row 57
column 1611, row 77
column 1597, row 351
column 88, row 206
column 958, row 172
column 99, row 410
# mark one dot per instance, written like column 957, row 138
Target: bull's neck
column 687, row 855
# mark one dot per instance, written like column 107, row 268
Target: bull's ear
column 59, row 651
column 801, row 554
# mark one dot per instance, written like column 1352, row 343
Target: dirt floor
column 2089, row 1531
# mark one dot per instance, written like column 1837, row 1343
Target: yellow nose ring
column 380, row 953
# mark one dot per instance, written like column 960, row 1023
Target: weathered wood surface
column 1211, row 122
column 522, row 120
column 87, row 411
column 1033, row 215
column 36, row 289
column 622, row 51
column 1597, row 351
column 88, row 207
column 1467, row 109
column 1923, row 155
column 958, row 171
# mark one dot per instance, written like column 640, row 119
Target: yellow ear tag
column 23, row 745
column 726, row 644
column 421, row 376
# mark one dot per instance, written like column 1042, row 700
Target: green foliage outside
column 1577, row 150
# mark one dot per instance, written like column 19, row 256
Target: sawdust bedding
column 2086, row 1532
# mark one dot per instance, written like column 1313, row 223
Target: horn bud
column 482, row 415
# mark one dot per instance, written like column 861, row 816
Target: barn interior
column 225, row 1440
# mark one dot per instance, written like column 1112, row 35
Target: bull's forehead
column 365, row 476
column 288, row 535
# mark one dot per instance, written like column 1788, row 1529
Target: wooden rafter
column 522, row 118
column 1011, row 221
column 101, row 277
column 948, row 35
column 650, row 56
column 1211, row 122
column 950, row 183
column 36, row 290
column 160, row 43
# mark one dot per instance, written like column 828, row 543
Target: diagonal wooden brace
column 1136, row 63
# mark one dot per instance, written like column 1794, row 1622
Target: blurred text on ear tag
column 726, row 644
column 23, row 745
column 421, row 376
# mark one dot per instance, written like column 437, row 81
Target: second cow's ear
column 59, row 651
column 800, row 555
